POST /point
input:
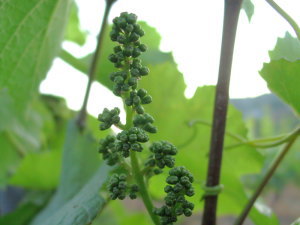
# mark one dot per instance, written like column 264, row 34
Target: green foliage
column 26, row 132
column 76, row 201
column 248, row 7
column 32, row 128
column 281, row 74
column 33, row 171
column 172, row 116
column 287, row 48
column 282, row 77
column 31, row 34
column 29, row 207
column 73, row 31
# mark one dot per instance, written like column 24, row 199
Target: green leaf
column 31, row 203
column 76, row 201
column 9, row 158
column 73, row 32
column 7, row 112
column 38, row 171
column 248, row 7
column 31, row 34
column 172, row 112
column 287, row 48
column 39, row 129
column 118, row 213
column 283, row 79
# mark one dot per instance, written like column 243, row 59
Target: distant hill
column 267, row 112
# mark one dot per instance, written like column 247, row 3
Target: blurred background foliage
column 50, row 172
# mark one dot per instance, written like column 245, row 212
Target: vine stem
column 286, row 16
column 81, row 119
column 138, row 174
column 231, row 15
column 142, row 187
column 266, row 178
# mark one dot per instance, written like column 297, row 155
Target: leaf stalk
column 81, row 119
column 267, row 177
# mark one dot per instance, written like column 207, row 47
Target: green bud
column 132, row 196
column 135, row 72
column 142, row 93
column 119, row 80
column 129, row 28
column 132, row 138
column 128, row 51
column 172, row 179
column 131, row 18
column 147, row 99
column 134, row 37
column 114, row 35
column 118, row 65
column 187, row 212
column 136, row 100
column 125, row 87
column 113, row 58
column 136, row 52
column 121, row 39
column 117, row 49
column 132, row 81
column 137, row 147
column 143, row 47
column 144, row 71
column 128, row 101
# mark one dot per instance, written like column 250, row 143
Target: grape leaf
column 38, row 171
column 287, row 48
column 172, row 113
column 32, row 202
column 248, row 7
column 76, row 201
column 73, row 31
column 283, row 79
column 31, row 34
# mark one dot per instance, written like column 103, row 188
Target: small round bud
column 129, row 28
column 143, row 47
column 131, row 18
column 136, row 52
column 121, row 39
column 117, row 49
column 139, row 109
column 113, row 58
column 147, row 99
column 134, row 37
column 135, row 72
column 144, row 71
column 128, row 51
column 141, row 93
column 132, row 81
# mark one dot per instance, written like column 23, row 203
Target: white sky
column 192, row 30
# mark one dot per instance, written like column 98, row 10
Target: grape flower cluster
column 118, row 187
column 180, row 185
column 115, row 149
